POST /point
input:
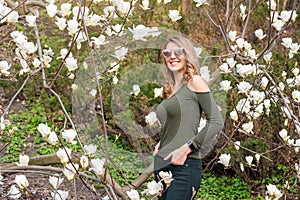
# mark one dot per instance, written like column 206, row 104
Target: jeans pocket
column 194, row 163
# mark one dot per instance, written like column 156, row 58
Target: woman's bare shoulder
column 198, row 84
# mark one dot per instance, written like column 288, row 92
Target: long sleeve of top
column 213, row 116
column 179, row 117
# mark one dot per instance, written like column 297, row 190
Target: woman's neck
column 178, row 79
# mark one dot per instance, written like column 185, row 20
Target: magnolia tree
column 258, row 91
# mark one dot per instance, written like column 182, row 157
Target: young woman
column 186, row 96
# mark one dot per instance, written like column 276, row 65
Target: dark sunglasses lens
column 178, row 52
column 167, row 53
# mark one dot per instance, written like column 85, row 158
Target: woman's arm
column 210, row 108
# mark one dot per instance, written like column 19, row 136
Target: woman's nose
column 173, row 54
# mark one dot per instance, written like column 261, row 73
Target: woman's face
column 174, row 57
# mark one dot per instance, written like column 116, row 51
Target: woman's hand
column 179, row 155
column 157, row 146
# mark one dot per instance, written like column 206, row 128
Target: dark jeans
column 187, row 179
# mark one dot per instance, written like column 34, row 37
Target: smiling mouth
column 174, row 62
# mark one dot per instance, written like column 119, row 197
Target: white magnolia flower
column 256, row 96
column 167, row 1
column 4, row 67
column 287, row 42
column 243, row 106
column 272, row 4
column 224, row 68
column 36, row 62
column 90, row 149
column 120, row 52
column 25, row 68
column 154, row 187
column 252, row 54
column 65, row 9
column 84, row 162
column 23, row 160
column 55, row 181
column 63, row 53
column 31, row 20
column 71, row 64
column 174, row 15
column 295, row 71
column 115, row 80
column 225, row 85
column 139, row 32
column 93, row 20
column 93, row 93
column 145, row 5
column 224, row 159
column 133, row 194
column 81, row 37
column 264, row 82
column 248, row 127
column 244, row 87
column 21, row 181
column 231, row 62
column 297, row 145
column 74, row 86
column 166, row 176
column 240, row 42
column 237, row 145
column 97, row 165
column 14, row 192
column 154, row 31
column 52, row 139
column 278, row 25
column 69, row 171
column 12, row 17
column 198, row 51
column 249, row 160
column 51, row 10
column 105, row 198
column 234, row 115
column 98, row 41
column 232, row 35
column 243, row 14
column 257, row 157
column 60, row 195
column 242, row 167
column 296, row 95
column 118, row 29
column 73, row 27
column 44, row 129
column 80, row 12
column 109, row 11
column 273, row 191
column 294, row 48
column 151, row 118
column 158, row 92
column 286, row 15
column 200, row 3
column 267, row 103
column 205, row 73
column 260, row 34
column 267, row 57
column 61, row 23
column 70, row 135
column 64, row 155
column 125, row 8
column 1, row 177
column 136, row 89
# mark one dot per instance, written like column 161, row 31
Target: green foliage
column 223, row 188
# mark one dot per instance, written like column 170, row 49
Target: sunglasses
column 168, row 53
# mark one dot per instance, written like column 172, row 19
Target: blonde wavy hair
column 191, row 68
